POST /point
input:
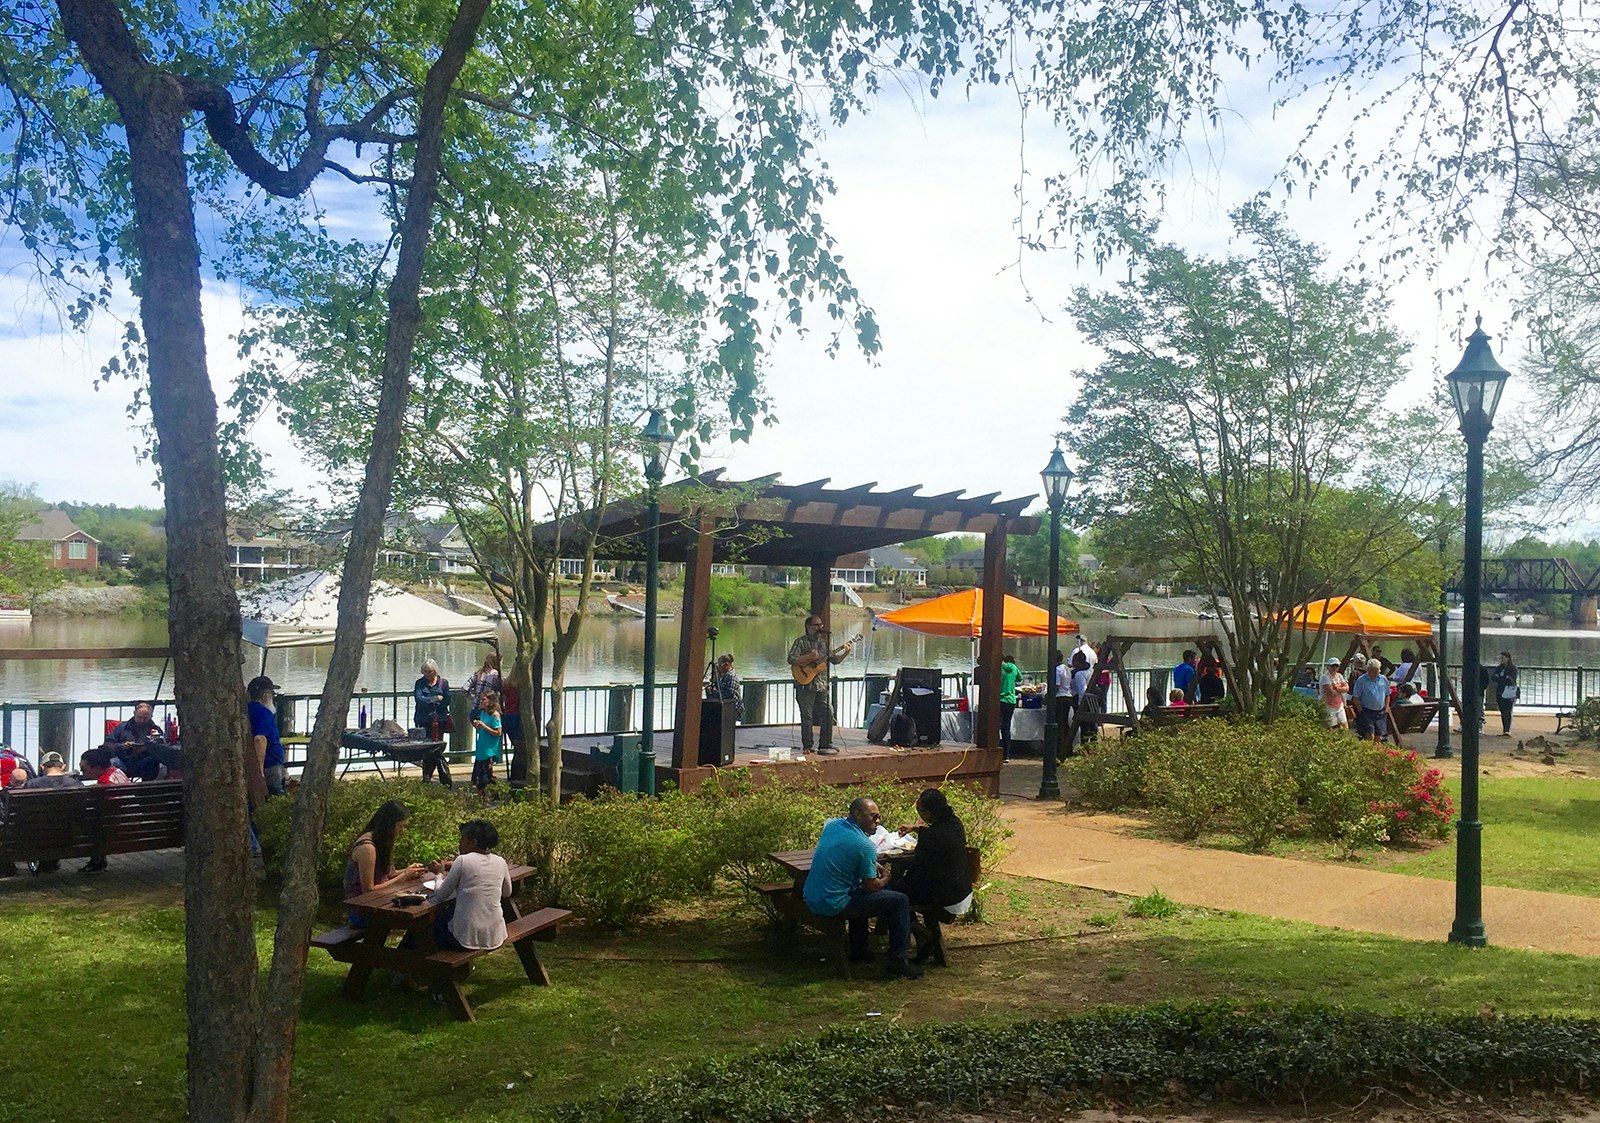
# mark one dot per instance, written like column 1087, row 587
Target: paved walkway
column 1096, row 851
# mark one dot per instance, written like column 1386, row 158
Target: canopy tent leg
column 263, row 660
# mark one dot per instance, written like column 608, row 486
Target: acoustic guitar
column 809, row 667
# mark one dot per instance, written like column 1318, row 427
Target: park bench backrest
column 83, row 822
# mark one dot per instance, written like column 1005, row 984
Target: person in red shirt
column 95, row 764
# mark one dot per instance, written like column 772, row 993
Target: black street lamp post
column 1057, row 478
column 1475, row 387
column 657, row 445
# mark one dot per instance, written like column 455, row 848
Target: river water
column 611, row 650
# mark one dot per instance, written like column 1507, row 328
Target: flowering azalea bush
column 1264, row 782
column 1422, row 809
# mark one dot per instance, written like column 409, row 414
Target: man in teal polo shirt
column 846, row 880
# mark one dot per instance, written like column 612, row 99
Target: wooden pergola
column 708, row 519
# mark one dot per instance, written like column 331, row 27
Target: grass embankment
column 98, row 993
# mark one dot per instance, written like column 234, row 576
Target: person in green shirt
column 1009, row 673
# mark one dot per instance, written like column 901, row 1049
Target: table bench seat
column 52, row 824
column 443, row 970
column 1414, row 719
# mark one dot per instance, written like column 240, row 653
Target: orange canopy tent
column 1360, row 617
column 961, row 614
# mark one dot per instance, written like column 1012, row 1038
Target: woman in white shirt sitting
column 480, row 882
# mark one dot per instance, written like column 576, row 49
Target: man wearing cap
column 53, row 774
column 1335, row 692
column 271, row 774
column 1370, row 693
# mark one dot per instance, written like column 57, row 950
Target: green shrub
column 618, row 857
column 1261, row 802
column 1586, row 719
column 1190, row 777
column 630, row 855
column 1205, row 1051
column 1109, row 773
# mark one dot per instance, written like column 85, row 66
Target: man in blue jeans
column 846, row 880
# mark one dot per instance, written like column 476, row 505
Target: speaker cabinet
column 922, row 699
column 717, row 724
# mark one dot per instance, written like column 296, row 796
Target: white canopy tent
column 303, row 611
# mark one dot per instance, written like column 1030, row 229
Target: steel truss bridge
column 1531, row 577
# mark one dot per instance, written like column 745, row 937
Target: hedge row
column 1263, row 782
column 1251, row 1054
column 617, row 858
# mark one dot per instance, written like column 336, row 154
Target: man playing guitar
column 809, row 656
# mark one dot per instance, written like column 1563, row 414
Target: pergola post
column 692, row 642
column 991, row 645
column 822, row 590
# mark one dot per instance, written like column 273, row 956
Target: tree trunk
column 297, row 903
column 203, row 617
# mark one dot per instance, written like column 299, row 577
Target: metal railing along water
column 71, row 727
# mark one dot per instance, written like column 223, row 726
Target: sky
column 977, row 361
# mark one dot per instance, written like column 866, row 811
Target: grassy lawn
column 98, row 996
column 1538, row 833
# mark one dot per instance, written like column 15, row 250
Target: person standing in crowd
column 811, row 653
column 1209, row 688
column 1370, row 693
column 1061, row 670
column 1183, row 674
column 484, row 679
column 1009, row 674
column 1335, row 692
column 486, row 743
column 1506, row 691
column 270, row 772
column 432, row 695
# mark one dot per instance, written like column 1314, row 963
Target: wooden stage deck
column 856, row 760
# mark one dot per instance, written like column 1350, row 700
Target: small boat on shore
column 14, row 610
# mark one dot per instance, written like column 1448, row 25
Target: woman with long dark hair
column 939, row 880
column 370, row 864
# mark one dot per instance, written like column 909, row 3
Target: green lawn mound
column 1258, row 1055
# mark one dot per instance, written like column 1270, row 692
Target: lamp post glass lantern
column 1057, row 479
column 1475, row 388
column 656, row 441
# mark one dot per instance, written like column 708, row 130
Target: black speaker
column 717, row 723
column 922, row 699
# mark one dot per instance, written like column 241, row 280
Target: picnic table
column 789, row 902
column 366, row 948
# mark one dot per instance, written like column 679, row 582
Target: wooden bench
column 1414, row 719
column 53, row 824
column 442, row 970
column 1163, row 716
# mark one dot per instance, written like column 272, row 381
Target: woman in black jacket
column 939, row 878
column 1504, row 678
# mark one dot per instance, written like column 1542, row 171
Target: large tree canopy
column 1236, row 428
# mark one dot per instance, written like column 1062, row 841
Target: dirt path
column 1100, row 852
